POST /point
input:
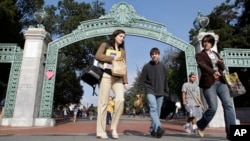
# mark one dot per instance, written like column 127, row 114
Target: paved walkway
column 130, row 128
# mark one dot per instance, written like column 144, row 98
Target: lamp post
column 39, row 16
column 201, row 22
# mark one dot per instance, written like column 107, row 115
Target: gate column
column 28, row 99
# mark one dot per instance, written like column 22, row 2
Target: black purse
column 93, row 74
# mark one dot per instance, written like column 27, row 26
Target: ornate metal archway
column 122, row 15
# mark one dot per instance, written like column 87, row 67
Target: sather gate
column 121, row 16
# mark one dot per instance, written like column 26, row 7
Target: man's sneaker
column 187, row 129
column 160, row 132
column 200, row 133
column 152, row 133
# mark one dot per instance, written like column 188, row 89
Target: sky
column 176, row 15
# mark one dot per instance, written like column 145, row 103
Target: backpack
column 93, row 74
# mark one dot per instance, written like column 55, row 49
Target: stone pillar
column 218, row 120
column 28, row 98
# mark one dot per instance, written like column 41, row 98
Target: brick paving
column 83, row 126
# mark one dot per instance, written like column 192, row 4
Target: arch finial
column 123, row 14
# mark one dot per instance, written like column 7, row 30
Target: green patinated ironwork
column 234, row 57
column 11, row 53
column 121, row 16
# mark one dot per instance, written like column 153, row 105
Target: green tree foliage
column 230, row 22
column 243, row 24
column 244, row 7
column 67, row 86
column 10, row 31
column 26, row 9
column 175, row 62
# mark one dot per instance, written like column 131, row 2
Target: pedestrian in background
column 192, row 103
column 75, row 113
column 110, row 110
column 66, row 112
column 91, row 111
column 134, row 112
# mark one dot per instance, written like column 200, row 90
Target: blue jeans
column 154, row 103
column 221, row 90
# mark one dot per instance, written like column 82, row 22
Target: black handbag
column 92, row 75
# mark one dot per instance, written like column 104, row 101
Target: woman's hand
column 220, row 60
column 217, row 74
column 117, row 58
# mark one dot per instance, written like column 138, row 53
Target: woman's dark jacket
column 206, row 67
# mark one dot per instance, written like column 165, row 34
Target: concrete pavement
column 130, row 129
